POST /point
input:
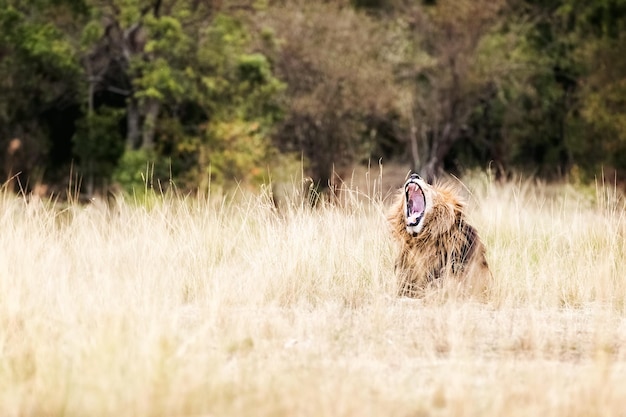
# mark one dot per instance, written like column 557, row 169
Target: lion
column 438, row 246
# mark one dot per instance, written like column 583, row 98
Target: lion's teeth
column 413, row 219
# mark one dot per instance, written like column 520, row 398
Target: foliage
column 187, row 80
column 137, row 171
column 39, row 73
column 599, row 28
column 337, row 79
column 98, row 145
column 230, row 87
column 235, row 99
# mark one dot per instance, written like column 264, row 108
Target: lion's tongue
column 416, row 200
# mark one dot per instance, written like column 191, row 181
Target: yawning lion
column 438, row 246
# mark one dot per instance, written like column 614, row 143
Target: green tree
column 99, row 146
column 568, row 113
column 447, row 74
column 185, row 70
column 40, row 74
column 597, row 122
column 337, row 63
column 236, row 102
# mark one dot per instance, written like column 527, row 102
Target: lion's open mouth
column 415, row 204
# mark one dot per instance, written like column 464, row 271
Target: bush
column 142, row 170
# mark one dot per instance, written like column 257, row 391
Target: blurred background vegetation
column 234, row 91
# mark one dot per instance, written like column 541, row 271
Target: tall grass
column 228, row 306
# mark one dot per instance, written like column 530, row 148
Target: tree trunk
column 149, row 124
column 133, row 116
column 415, row 154
column 433, row 166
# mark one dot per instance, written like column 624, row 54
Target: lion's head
column 423, row 209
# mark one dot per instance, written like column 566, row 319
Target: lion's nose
column 414, row 176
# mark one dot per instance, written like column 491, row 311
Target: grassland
column 227, row 307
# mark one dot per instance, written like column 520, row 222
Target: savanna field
column 222, row 305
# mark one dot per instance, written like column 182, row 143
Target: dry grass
column 223, row 307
